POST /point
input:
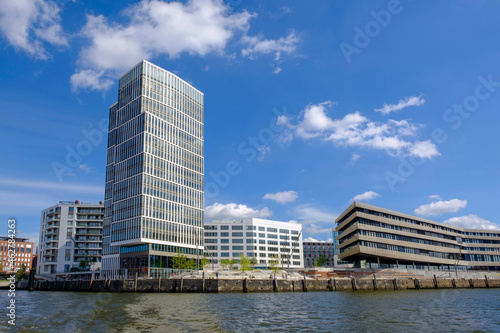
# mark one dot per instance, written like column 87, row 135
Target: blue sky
column 307, row 107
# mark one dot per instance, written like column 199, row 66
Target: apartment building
column 70, row 237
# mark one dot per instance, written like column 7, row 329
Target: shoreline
column 246, row 285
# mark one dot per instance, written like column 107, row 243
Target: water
column 464, row 310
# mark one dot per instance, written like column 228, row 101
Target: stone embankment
column 175, row 285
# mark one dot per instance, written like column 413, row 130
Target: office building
column 70, row 238
column 154, row 173
column 313, row 251
column 264, row 240
column 381, row 237
column 24, row 254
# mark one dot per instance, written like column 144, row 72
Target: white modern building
column 262, row 239
column 70, row 233
column 154, row 173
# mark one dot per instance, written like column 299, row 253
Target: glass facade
column 154, row 173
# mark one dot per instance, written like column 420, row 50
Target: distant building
column 154, row 173
column 313, row 250
column 264, row 240
column 70, row 232
column 25, row 251
column 377, row 237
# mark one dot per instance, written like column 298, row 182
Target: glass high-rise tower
column 154, row 173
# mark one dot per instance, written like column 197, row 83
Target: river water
column 463, row 310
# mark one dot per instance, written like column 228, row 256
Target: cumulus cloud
column 441, row 207
column 472, row 222
column 282, row 197
column 258, row 44
column 370, row 195
column 156, row 28
column 232, row 211
column 403, row 103
column 355, row 130
column 29, row 25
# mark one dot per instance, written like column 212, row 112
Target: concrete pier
column 174, row 285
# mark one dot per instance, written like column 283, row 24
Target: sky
column 308, row 106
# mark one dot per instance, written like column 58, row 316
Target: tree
column 204, row 262
column 245, row 264
column 190, row 264
column 21, row 273
column 233, row 262
column 224, row 263
column 321, row 261
column 179, row 261
column 253, row 261
column 275, row 265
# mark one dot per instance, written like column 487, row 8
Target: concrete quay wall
column 261, row 285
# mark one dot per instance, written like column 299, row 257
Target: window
column 262, row 248
column 262, row 235
column 224, row 227
column 224, row 240
column 224, row 234
column 250, row 234
column 237, row 234
column 238, row 241
column 210, row 227
column 210, row 241
column 224, row 254
column 211, row 247
column 295, row 232
column 284, row 231
column 251, row 247
column 224, row 248
column 237, row 248
column 271, row 242
column 210, row 234
column 272, row 230
column 262, row 241
column 272, row 236
column 262, row 229
column 236, row 227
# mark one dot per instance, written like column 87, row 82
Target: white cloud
column 263, row 151
column 84, row 167
column 370, row 195
column 33, row 237
column 424, row 149
column 472, row 222
column 435, row 197
column 29, row 24
column 355, row 157
column 311, row 213
column 286, row 10
column 258, row 44
column 314, row 240
column 90, row 79
column 232, row 211
column 197, row 27
column 355, row 130
column 282, row 197
column 441, row 207
column 310, row 239
column 155, row 28
column 403, row 103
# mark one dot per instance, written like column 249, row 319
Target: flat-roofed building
column 381, row 236
column 70, row 237
column 24, row 253
column 264, row 240
column 314, row 250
